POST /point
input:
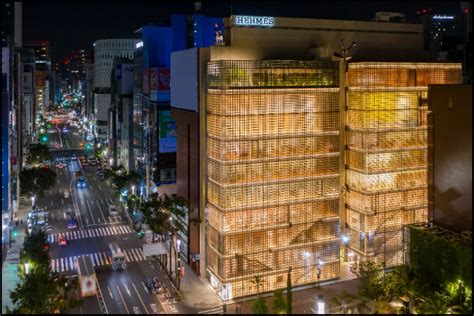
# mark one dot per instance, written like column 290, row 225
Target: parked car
column 66, row 194
column 113, row 210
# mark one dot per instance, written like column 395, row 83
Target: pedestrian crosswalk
column 92, row 232
column 98, row 259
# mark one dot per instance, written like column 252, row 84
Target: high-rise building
column 105, row 51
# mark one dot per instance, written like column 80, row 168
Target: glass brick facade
column 386, row 156
column 272, row 136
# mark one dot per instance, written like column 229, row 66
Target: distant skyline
column 75, row 25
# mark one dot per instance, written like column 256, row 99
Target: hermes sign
column 246, row 20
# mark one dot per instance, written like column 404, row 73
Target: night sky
column 76, row 25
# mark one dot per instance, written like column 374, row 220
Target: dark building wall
column 450, row 156
column 187, row 173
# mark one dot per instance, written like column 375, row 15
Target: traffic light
column 88, row 146
column 43, row 138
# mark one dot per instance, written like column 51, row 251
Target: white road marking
column 99, row 186
column 128, row 312
column 144, row 287
column 62, row 201
column 140, row 297
column 101, row 211
column 98, row 219
column 110, row 293
column 87, row 221
column 90, row 211
column 128, row 291
column 51, row 202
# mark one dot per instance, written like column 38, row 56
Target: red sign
column 153, row 80
column 163, row 79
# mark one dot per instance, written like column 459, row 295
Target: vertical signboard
column 153, row 84
column 163, row 84
column 39, row 79
column 167, row 138
column 5, row 142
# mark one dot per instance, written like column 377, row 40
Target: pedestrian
column 21, row 221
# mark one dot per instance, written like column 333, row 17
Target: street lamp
column 133, row 189
column 318, row 271
column 33, row 201
column 27, row 267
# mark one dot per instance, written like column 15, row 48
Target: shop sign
column 248, row 20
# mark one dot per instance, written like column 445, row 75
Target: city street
column 120, row 291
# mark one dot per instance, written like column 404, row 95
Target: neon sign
column 246, row 20
column 443, row 17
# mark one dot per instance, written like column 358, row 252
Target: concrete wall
column 292, row 38
column 450, row 153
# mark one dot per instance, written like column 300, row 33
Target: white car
column 113, row 210
column 66, row 194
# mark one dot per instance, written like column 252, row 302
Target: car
column 153, row 285
column 81, row 182
column 113, row 210
column 62, row 241
column 66, row 194
column 72, row 224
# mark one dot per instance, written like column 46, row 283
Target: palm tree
column 257, row 281
column 401, row 283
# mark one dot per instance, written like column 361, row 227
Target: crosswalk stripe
column 122, row 229
column 142, row 255
column 127, row 229
column 67, row 235
column 71, row 263
column 109, row 231
column 91, row 233
column 137, row 255
column 115, row 230
column 62, row 264
column 96, row 257
column 92, row 259
column 74, row 235
column 130, row 257
column 108, row 259
column 96, row 231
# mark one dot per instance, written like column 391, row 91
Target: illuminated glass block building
column 273, row 173
column 387, row 153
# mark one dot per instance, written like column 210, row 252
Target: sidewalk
column 305, row 300
column 196, row 294
column 10, row 264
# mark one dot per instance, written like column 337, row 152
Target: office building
column 105, row 51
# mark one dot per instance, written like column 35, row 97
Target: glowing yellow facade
column 272, row 136
column 386, row 156
column 273, row 169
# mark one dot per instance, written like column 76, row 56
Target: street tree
column 289, row 294
column 35, row 181
column 164, row 216
column 259, row 306
column 43, row 292
column 279, row 302
column 38, row 154
column 371, row 276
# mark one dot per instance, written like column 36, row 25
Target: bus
column 87, row 277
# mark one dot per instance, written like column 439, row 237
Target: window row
column 387, row 181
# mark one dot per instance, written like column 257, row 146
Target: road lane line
column 128, row 312
column 146, row 310
column 102, row 297
column 128, row 291
column 144, row 287
column 98, row 184
column 51, row 202
column 98, row 219
column 90, row 211
column 101, row 211
column 62, row 201
column 110, row 293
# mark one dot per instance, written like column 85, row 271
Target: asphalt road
column 121, row 292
